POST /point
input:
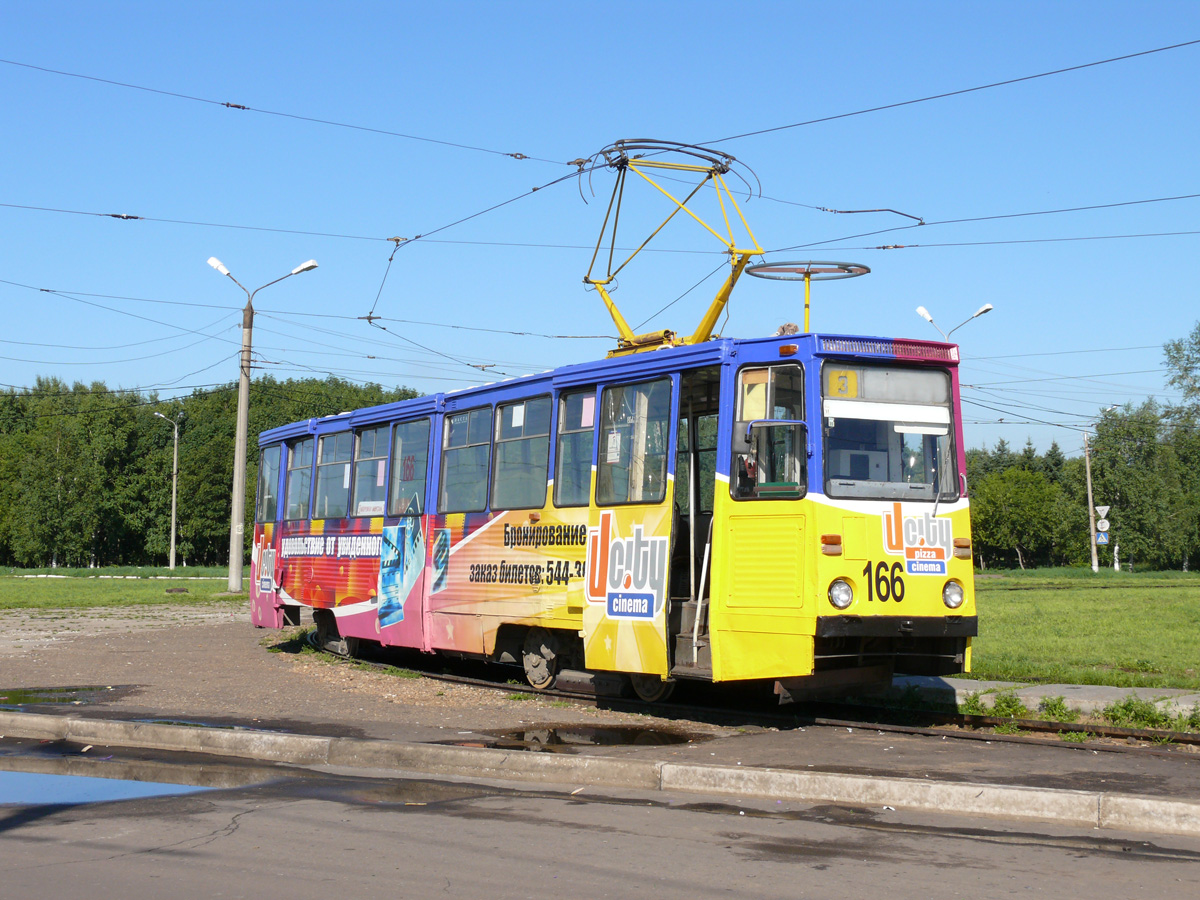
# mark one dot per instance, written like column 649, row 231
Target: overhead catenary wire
column 988, row 218
column 129, row 217
column 286, row 115
column 954, row 93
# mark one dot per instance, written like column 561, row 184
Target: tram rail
column 934, row 723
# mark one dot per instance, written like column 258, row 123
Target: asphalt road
column 329, row 835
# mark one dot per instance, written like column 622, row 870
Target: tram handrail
column 700, row 598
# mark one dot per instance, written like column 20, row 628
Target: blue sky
column 1078, row 324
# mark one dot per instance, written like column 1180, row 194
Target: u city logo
column 628, row 575
column 923, row 541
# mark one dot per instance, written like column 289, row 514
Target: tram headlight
column 952, row 595
column 841, row 594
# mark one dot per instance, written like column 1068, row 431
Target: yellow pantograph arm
column 709, row 322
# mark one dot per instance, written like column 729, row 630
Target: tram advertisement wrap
column 628, row 552
column 517, row 566
column 331, row 563
column 925, row 542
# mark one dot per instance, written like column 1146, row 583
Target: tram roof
column 624, row 368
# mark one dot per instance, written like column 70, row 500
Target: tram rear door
column 692, row 532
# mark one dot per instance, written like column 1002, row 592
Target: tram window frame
column 304, row 471
column 266, row 506
column 341, row 442
column 609, row 426
column 506, row 437
column 744, row 437
column 477, row 420
column 847, row 488
column 362, row 467
column 566, row 439
column 399, row 467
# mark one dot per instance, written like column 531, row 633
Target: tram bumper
column 897, row 626
column 910, row 645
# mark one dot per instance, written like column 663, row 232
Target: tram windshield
column 888, row 433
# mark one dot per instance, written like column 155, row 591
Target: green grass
column 1056, row 710
column 1071, row 626
column 81, row 592
column 127, row 571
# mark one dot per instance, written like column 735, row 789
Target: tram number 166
column 885, row 584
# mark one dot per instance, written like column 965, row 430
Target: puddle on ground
column 40, row 789
column 566, row 738
column 78, row 695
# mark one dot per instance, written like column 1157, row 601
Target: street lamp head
column 986, row 308
column 218, row 265
column 303, row 267
column 161, row 416
column 921, row 311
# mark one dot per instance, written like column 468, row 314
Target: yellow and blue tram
column 789, row 509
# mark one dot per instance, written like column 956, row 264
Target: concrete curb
column 1093, row 809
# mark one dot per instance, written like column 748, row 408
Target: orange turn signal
column 831, row 544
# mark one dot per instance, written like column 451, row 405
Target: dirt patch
column 28, row 630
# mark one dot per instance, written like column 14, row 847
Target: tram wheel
column 331, row 640
column 540, row 658
column 651, row 688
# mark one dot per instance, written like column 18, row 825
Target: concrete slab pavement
column 1087, row 808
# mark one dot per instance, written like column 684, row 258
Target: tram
column 789, row 509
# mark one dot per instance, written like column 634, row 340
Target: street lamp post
column 236, row 522
column 174, row 482
column 924, row 314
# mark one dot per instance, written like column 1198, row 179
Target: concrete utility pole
column 237, row 518
column 174, row 482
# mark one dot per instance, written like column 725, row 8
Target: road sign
column 1102, row 511
column 1102, row 525
column 1102, row 538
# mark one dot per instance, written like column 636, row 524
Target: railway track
column 915, row 721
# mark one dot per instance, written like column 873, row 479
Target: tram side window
column 635, row 422
column 370, row 464
column 268, row 485
column 522, row 454
column 334, row 452
column 465, row 447
column 769, row 435
column 299, row 479
column 410, row 455
column 573, row 453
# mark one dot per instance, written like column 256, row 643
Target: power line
column 285, row 115
column 942, row 96
column 961, row 221
column 1066, row 352
column 329, row 234
column 111, row 362
column 1061, row 240
column 73, row 294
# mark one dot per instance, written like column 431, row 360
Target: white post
column 1087, row 466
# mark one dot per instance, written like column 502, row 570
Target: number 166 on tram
column 789, row 509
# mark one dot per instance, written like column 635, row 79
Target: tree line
column 1030, row 509
column 85, row 474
